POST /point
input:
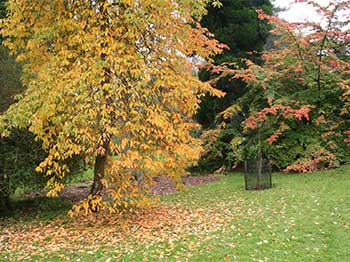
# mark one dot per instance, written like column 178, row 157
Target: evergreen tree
column 235, row 24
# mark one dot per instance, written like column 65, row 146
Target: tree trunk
column 4, row 192
column 99, row 173
column 99, row 170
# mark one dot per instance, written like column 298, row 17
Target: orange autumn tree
column 109, row 80
column 297, row 102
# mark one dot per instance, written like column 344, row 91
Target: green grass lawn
column 303, row 218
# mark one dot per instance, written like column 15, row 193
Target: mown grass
column 304, row 217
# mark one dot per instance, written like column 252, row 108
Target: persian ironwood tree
column 298, row 99
column 109, row 80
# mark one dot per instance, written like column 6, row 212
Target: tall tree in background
column 297, row 106
column 235, row 24
column 109, row 80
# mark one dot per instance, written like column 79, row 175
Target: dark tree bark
column 101, row 159
column 4, row 192
column 99, row 173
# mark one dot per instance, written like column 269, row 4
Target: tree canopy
column 109, row 80
column 297, row 102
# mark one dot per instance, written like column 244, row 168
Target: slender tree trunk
column 259, row 163
column 4, row 192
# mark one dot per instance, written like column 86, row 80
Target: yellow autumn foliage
column 109, row 78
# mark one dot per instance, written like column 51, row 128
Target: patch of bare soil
column 163, row 185
column 76, row 192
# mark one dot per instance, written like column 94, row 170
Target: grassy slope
column 303, row 218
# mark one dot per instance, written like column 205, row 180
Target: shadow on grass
column 42, row 207
column 38, row 206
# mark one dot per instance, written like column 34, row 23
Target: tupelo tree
column 109, row 81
